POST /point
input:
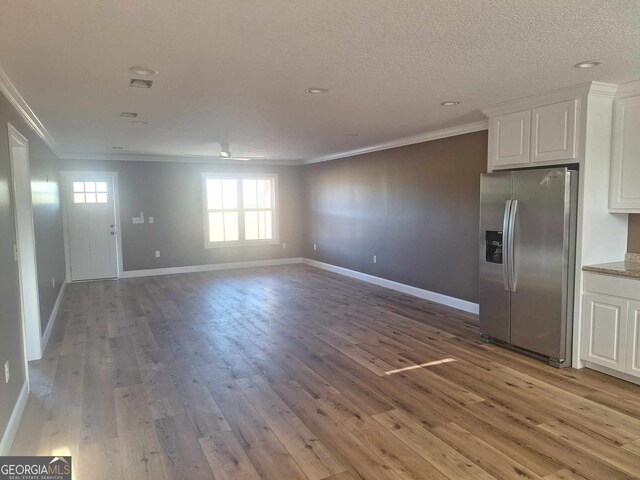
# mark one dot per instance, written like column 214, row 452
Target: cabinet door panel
column 509, row 139
column 633, row 339
column 625, row 171
column 553, row 132
column 604, row 331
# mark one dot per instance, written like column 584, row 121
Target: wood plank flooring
column 295, row 373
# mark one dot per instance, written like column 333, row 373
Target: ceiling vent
column 128, row 114
column 140, row 83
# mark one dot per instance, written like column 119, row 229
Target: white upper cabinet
column 625, row 160
column 544, row 135
column 509, row 139
column 553, row 132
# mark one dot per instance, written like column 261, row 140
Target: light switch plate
column 150, row 219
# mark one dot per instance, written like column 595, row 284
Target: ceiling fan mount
column 225, row 153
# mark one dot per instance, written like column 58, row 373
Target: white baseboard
column 14, row 420
column 208, row 268
column 612, row 372
column 52, row 318
column 400, row 287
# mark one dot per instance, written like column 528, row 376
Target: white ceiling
column 237, row 70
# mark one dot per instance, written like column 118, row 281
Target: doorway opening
column 25, row 246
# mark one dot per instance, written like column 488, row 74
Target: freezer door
column 541, row 220
column 495, row 200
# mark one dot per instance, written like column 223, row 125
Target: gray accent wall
column 415, row 207
column 49, row 250
column 172, row 194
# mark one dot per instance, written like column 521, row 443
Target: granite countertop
column 629, row 268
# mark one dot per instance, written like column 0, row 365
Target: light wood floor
column 284, row 373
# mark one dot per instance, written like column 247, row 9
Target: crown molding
column 401, row 142
column 20, row 104
column 603, row 89
column 139, row 157
column 554, row 96
column 628, row 89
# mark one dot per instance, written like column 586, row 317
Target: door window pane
column 101, row 186
column 78, row 198
column 78, row 186
column 90, row 197
column 90, row 186
column 101, row 197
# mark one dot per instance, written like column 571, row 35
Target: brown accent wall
column 415, row 207
column 634, row 233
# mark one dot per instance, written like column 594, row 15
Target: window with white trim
column 90, row 192
column 239, row 209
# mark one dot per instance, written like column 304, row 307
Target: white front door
column 91, row 223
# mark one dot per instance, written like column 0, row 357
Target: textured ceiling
column 237, row 70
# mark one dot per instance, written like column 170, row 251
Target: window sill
column 257, row 243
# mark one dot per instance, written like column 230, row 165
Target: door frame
column 26, row 248
column 64, row 178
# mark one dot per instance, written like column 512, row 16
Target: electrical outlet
column 150, row 219
column 6, row 372
column 284, row 244
column 157, row 253
column 375, row 259
column 315, row 247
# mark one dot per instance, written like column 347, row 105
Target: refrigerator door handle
column 512, row 263
column 505, row 246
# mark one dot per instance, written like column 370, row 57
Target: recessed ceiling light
column 143, row 71
column 352, row 135
column 139, row 122
column 140, row 83
column 128, row 114
column 316, row 90
column 450, row 103
column 588, row 64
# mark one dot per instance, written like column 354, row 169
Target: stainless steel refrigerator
column 527, row 259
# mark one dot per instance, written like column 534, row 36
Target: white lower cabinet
column 605, row 330
column 633, row 334
column 611, row 323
